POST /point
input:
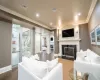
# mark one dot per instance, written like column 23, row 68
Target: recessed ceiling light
column 54, row 9
column 79, row 14
column 37, row 15
column 51, row 23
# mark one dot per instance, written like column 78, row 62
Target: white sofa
column 54, row 74
column 87, row 62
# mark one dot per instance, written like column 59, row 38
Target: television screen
column 51, row 38
column 68, row 33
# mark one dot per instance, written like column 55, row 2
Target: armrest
column 55, row 74
column 82, row 66
column 86, row 66
column 24, row 74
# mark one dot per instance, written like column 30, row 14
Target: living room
column 49, row 40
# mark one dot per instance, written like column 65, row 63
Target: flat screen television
column 51, row 38
column 68, row 33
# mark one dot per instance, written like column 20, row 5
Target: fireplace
column 69, row 52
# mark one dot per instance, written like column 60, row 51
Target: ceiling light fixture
column 37, row 15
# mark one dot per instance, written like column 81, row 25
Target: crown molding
column 93, row 4
column 22, row 16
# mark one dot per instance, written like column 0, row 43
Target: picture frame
column 97, row 33
column 93, row 37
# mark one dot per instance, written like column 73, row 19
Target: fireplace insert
column 69, row 52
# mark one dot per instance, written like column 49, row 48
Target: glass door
column 15, row 44
column 21, row 43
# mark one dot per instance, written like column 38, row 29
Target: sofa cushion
column 81, row 55
column 91, row 55
column 52, row 64
column 36, row 67
column 39, row 62
column 35, row 57
column 96, row 60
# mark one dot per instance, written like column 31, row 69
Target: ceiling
column 65, row 10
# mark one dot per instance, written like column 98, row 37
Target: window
column 26, row 42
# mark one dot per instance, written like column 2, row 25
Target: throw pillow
column 36, row 67
column 81, row 55
column 35, row 57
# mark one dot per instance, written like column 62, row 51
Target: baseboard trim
column 5, row 69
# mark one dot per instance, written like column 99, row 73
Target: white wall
column 5, row 43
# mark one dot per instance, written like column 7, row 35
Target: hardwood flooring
column 67, row 66
column 13, row 75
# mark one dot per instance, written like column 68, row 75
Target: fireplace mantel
column 64, row 40
column 69, row 42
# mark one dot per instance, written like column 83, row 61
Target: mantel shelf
column 63, row 40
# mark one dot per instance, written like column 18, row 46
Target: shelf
column 69, row 40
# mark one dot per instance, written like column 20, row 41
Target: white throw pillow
column 81, row 50
column 39, row 62
column 81, row 55
column 52, row 64
column 36, row 67
column 34, row 57
column 91, row 55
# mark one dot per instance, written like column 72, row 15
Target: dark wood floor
column 11, row 75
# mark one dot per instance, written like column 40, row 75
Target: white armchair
column 88, row 62
column 54, row 74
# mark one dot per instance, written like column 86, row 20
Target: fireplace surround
column 69, row 41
